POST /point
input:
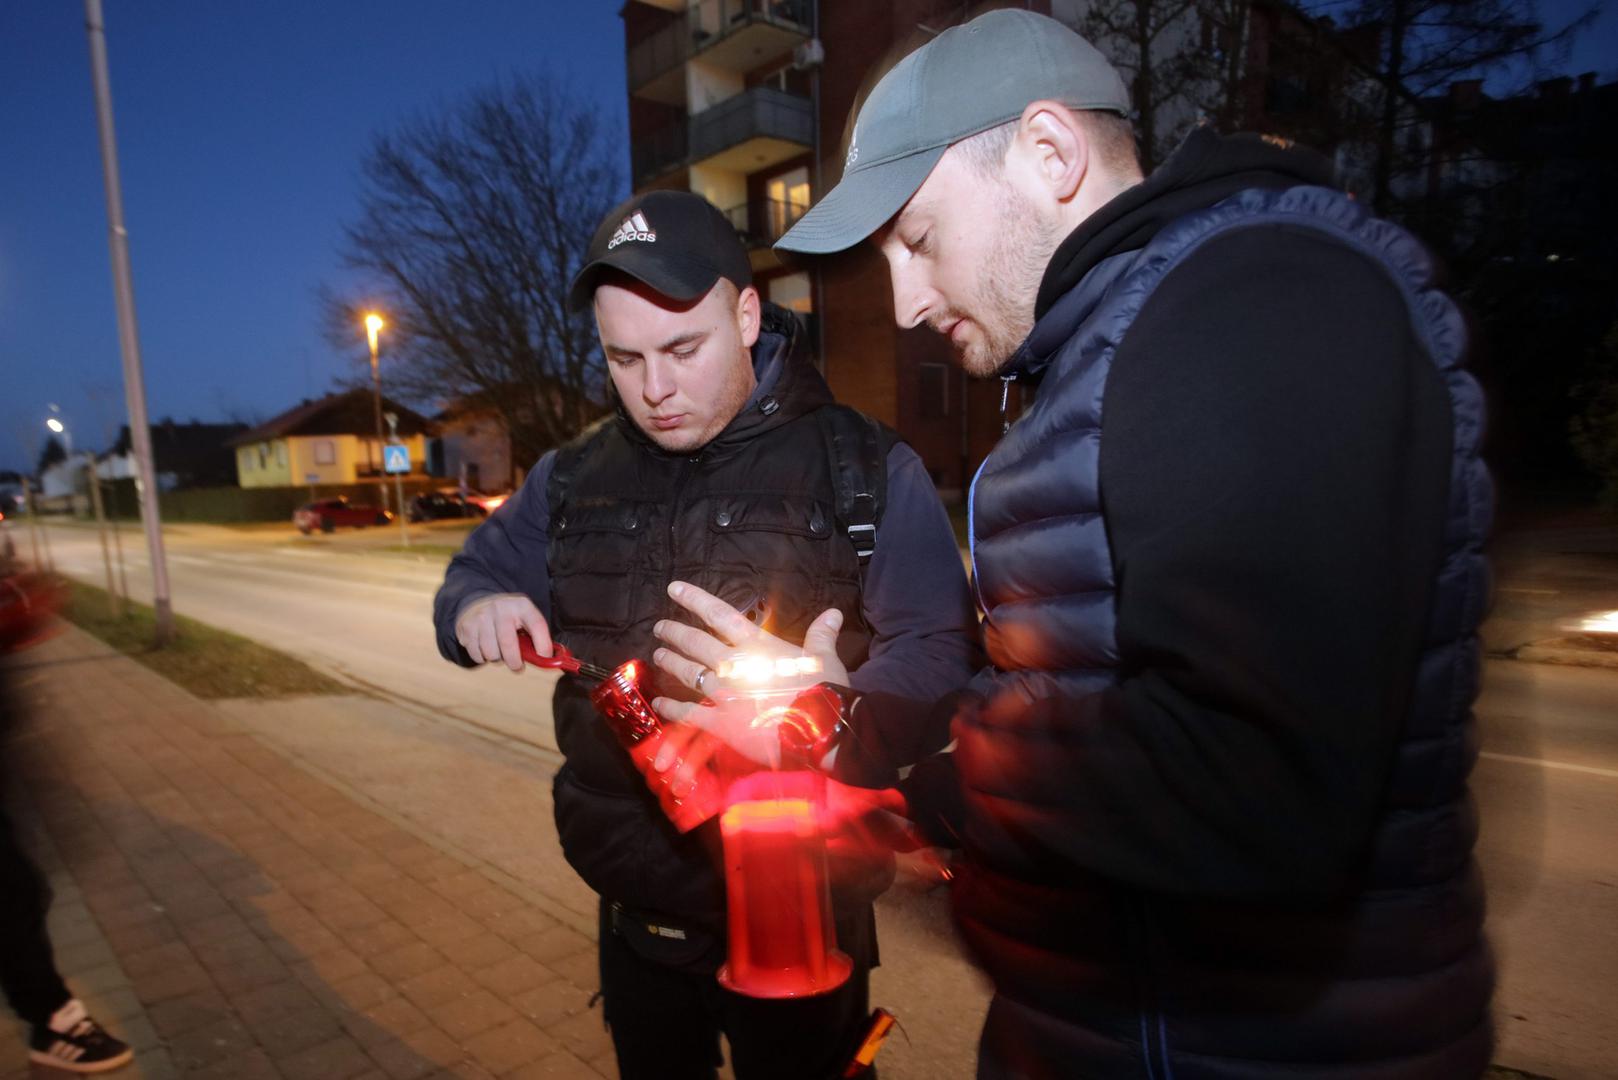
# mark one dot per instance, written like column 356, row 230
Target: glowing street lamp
column 373, row 325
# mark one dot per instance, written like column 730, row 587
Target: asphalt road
column 1547, row 782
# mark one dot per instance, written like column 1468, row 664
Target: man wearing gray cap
column 1211, row 793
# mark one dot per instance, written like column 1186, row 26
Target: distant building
column 472, row 447
column 329, row 441
column 184, row 455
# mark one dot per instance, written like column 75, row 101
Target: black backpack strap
column 858, row 451
column 568, row 458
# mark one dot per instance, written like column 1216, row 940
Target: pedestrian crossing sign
column 396, row 459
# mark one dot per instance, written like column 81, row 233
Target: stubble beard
column 1008, row 283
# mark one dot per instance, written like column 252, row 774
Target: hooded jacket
column 1212, row 792
column 602, row 526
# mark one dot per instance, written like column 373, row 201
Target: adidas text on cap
column 674, row 241
column 968, row 79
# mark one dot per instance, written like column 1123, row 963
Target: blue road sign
column 396, row 459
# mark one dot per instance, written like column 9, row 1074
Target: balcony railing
column 762, row 222
column 759, row 113
column 659, row 152
column 708, row 23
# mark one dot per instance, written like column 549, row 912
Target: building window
column 786, row 200
column 281, row 454
column 792, row 292
column 933, row 390
column 263, row 455
column 246, row 456
column 325, row 452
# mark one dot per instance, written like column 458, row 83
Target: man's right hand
column 487, row 629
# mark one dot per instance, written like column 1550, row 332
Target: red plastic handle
column 560, row 658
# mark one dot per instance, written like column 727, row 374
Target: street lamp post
column 373, row 324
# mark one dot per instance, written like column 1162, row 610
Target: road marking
column 1542, row 763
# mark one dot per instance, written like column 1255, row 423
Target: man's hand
column 692, row 651
column 487, row 629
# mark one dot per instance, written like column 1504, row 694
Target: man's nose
column 659, row 382
column 913, row 299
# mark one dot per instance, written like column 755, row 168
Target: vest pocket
column 597, row 561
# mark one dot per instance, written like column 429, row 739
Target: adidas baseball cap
column 966, row 80
column 674, row 241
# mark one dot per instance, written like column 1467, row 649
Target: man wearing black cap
column 726, row 463
column 1211, row 793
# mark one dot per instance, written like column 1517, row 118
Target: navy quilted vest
column 1045, row 579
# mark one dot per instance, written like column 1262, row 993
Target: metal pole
column 128, row 333
column 33, row 519
column 376, row 410
column 398, row 483
column 113, row 601
column 118, row 547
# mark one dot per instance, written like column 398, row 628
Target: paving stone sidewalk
column 233, row 916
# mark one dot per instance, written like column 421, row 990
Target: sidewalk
column 232, row 915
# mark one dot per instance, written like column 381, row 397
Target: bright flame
column 374, row 322
column 1600, row 622
column 494, row 502
column 54, row 424
column 758, row 669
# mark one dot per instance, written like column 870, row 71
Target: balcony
column 737, row 35
column 762, row 222
column 752, row 130
column 745, row 133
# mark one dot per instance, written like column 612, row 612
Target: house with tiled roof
column 328, row 441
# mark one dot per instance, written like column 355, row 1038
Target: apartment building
column 746, row 102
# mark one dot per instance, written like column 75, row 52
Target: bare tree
column 1421, row 48
column 472, row 224
column 1162, row 49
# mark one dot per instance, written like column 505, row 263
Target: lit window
column 325, row 452
column 792, row 292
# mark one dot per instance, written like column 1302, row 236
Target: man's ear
column 748, row 316
column 1054, row 149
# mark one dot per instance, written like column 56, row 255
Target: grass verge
column 209, row 662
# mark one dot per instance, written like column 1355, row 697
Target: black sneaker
column 72, row 1041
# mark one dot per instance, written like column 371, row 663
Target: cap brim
column 860, row 204
column 671, row 276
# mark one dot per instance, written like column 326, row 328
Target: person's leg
column 28, row 972
column 797, row 1038
column 662, row 1020
column 810, row 1038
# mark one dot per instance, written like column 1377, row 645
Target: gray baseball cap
column 968, row 79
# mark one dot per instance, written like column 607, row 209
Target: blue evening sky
column 240, row 127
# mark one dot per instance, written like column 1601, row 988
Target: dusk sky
column 240, row 129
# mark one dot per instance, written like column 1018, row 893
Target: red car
column 327, row 514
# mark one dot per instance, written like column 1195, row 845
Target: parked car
column 490, row 503
column 436, row 505
column 327, row 514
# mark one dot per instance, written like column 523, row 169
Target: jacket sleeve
column 505, row 554
column 1274, row 469
column 919, row 605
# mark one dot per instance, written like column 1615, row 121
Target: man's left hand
column 692, row 651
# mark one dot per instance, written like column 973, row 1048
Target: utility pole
column 128, row 332
column 113, row 600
